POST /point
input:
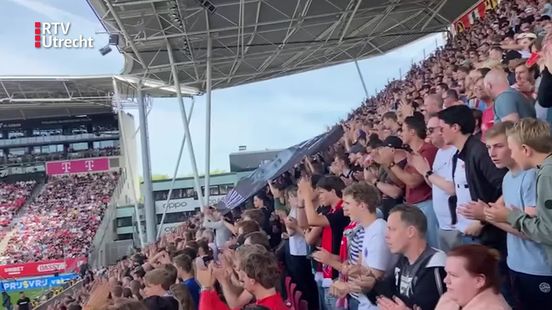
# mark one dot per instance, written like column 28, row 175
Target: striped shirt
column 356, row 240
column 354, row 250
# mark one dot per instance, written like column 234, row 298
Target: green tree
column 213, row 172
column 156, row 177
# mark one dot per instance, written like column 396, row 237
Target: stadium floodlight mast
column 149, row 206
column 117, row 99
column 210, row 8
column 143, row 86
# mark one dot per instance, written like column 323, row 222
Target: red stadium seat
column 297, row 299
column 293, row 289
column 287, row 283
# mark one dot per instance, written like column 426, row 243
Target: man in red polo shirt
column 418, row 193
column 333, row 222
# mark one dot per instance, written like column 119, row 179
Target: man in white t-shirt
column 372, row 258
column 439, row 176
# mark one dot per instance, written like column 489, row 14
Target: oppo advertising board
column 176, row 205
column 182, row 205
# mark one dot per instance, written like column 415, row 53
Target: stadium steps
column 12, row 228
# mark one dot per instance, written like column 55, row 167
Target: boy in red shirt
column 258, row 271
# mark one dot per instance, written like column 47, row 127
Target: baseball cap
column 393, row 142
column 510, row 55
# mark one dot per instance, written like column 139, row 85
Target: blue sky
column 264, row 115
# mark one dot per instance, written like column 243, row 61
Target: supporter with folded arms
column 418, row 193
column 391, row 188
column 509, row 104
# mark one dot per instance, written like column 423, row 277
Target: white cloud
column 53, row 13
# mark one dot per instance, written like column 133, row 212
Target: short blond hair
column 158, row 276
column 499, row 129
column 532, row 132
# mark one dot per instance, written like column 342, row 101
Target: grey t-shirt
column 222, row 234
column 512, row 101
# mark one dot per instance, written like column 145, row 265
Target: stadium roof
column 26, row 97
column 255, row 40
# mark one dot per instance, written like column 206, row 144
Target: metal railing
column 57, row 294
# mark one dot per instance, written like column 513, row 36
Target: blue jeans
column 329, row 300
column 432, row 224
column 320, row 295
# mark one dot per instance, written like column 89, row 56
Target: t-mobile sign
column 77, row 166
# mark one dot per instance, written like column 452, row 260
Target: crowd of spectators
column 62, row 220
column 437, row 197
column 12, row 197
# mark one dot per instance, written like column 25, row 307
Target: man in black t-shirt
column 6, row 301
column 417, row 278
column 24, row 303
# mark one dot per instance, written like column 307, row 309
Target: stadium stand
column 393, row 148
column 12, row 198
column 62, row 220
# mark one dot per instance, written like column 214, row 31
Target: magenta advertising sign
column 77, row 166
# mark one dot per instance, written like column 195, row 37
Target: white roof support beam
column 123, row 30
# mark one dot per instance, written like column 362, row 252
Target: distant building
column 247, row 161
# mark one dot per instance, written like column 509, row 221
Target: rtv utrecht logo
column 54, row 35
